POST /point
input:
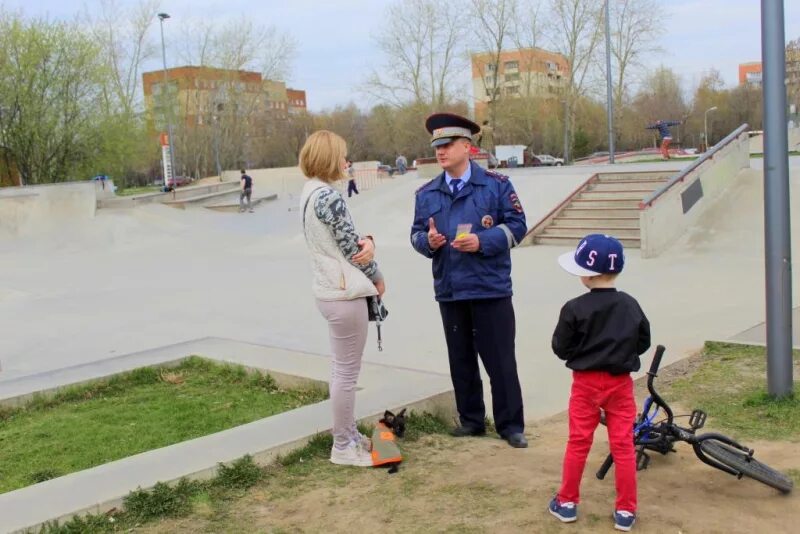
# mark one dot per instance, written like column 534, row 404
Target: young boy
column 600, row 335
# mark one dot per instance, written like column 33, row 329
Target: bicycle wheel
column 747, row 466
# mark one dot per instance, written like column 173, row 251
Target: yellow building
column 524, row 72
column 198, row 95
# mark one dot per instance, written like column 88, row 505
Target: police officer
column 472, row 275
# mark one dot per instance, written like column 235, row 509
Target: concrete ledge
column 41, row 208
column 670, row 211
column 176, row 196
column 104, row 487
column 234, row 206
column 19, row 195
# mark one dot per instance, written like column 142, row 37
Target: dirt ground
column 482, row 485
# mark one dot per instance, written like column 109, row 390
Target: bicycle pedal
column 697, row 420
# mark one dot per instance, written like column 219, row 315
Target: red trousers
column 591, row 391
column 665, row 147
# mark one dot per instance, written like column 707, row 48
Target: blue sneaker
column 566, row 512
column 624, row 520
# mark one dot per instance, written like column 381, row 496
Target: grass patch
column 130, row 191
column 730, row 385
column 148, row 408
column 209, row 501
column 165, row 501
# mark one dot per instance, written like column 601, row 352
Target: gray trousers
column 347, row 325
column 245, row 194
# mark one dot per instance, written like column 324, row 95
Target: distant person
column 344, row 275
column 485, row 138
column 666, row 136
column 351, row 180
column 247, row 192
column 600, row 335
column 401, row 163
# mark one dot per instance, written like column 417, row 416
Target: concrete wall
column 757, row 141
column 290, row 180
column 664, row 221
column 31, row 209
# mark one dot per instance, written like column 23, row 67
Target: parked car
column 531, row 160
column 179, row 181
column 550, row 161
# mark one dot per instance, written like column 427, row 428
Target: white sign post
column 166, row 160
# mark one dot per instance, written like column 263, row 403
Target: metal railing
column 648, row 201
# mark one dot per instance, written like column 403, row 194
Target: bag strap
column 305, row 207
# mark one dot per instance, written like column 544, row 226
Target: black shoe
column 464, row 431
column 517, row 440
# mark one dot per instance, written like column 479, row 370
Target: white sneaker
column 363, row 441
column 354, row 454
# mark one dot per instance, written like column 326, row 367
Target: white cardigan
column 334, row 278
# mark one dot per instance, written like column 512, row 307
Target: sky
column 336, row 49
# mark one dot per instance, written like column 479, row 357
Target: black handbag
column 377, row 310
column 377, row 313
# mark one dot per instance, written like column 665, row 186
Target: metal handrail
column 648, row 201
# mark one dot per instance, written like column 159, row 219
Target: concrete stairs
column 605, row 204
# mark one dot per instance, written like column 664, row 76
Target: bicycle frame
column 661, row 436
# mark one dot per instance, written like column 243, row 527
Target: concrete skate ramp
column 793, row 139
column 40, row 208
column 669, row 211
column 132, row 280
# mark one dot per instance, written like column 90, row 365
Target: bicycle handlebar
column 656, row 360
column 651, row 374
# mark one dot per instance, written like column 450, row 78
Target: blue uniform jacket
column 489, row 202
column 663, row 128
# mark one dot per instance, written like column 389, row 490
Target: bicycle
column 714, row 449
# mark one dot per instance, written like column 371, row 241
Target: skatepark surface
column 141, row 278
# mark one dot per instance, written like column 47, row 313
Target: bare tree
column 793, row 74
column 494, row 25
column 576, row 33
column 521, row 119
column 527, row 33
column 635, row 28
column 421, row 49
column 230, row 114
column 125, row 45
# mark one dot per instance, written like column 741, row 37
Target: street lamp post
column 165, row 100
column 609, row 99
column 705, row 124
column 777, row 208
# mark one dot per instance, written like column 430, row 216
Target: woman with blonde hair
column 344, row 275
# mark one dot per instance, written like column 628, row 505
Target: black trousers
column 484, row 327
column 351, row 187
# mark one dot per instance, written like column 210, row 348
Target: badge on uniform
column 487, row 221
column 515, row 203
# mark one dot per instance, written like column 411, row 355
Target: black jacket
column 603, row 330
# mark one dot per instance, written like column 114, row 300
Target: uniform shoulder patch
column 423, row 186
column 496, row 175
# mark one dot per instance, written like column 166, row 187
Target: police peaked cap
column 447, row 127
